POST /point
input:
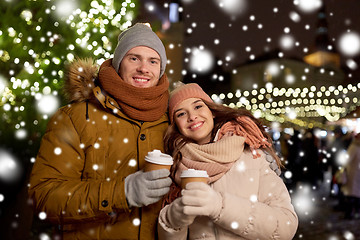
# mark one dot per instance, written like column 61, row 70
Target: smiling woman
column 194, row 120
column 243, row 187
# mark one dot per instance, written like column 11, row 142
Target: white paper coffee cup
column 192, row 175
column 157, row 160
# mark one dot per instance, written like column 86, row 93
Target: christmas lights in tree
column 37, row 40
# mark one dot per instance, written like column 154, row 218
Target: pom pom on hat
column 183, row 92
column 138, row 35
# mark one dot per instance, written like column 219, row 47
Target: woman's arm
column 270, row 214
column 173, row 223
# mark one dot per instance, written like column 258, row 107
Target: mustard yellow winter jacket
column 88, row 149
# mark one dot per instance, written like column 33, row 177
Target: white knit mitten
column 144, row 188
column 201, row 200
column 176, row 217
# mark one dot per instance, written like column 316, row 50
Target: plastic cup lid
column 157, row 157
column 193, row 173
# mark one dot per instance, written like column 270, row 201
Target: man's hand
column 145, row 188
column 200, row 199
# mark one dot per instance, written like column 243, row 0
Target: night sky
column 253, row 28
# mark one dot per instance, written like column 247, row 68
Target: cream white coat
column 256, row 205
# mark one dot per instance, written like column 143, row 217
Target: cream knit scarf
column 216, row 158
column 143, row 104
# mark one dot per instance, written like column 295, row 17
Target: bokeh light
column 308, row 6
column 47, row 104
column 351, row 64
column 201, row 60
column 3, row 84
column 287, row 42
column 42, row 215
column 21, row 133
column 233, row 7
column 290, row 79
column 136, row 222
column 288, row 174
column 349, row 44
column 44, row 236
column 234, row 225
column 273, row 68
column 294, row 16
column 65, row 8
column 302, row 200
column 349, row 235
column 342, row 157
column 10, row 169
column 132, row 163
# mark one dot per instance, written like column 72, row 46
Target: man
column 87, row 178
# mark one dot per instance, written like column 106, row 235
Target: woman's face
column 194, row 120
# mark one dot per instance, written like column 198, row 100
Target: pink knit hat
column 183, row 92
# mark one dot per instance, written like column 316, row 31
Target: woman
column 245, row 198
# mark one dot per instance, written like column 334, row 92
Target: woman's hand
column 201, row 200
column 176, row 216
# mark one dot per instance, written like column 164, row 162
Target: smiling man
column 93, row 186
column 140, row 67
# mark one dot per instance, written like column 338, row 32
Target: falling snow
column 10, row 168
column 42, row 215
column 57, row 151
column 30, row 81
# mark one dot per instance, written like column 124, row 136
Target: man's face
column 140, row 67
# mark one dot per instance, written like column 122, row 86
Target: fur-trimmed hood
column 80, row 80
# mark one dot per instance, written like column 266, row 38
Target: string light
column 319, row 102
column 35, row 71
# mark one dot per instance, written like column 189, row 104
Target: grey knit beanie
column 138, row 35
